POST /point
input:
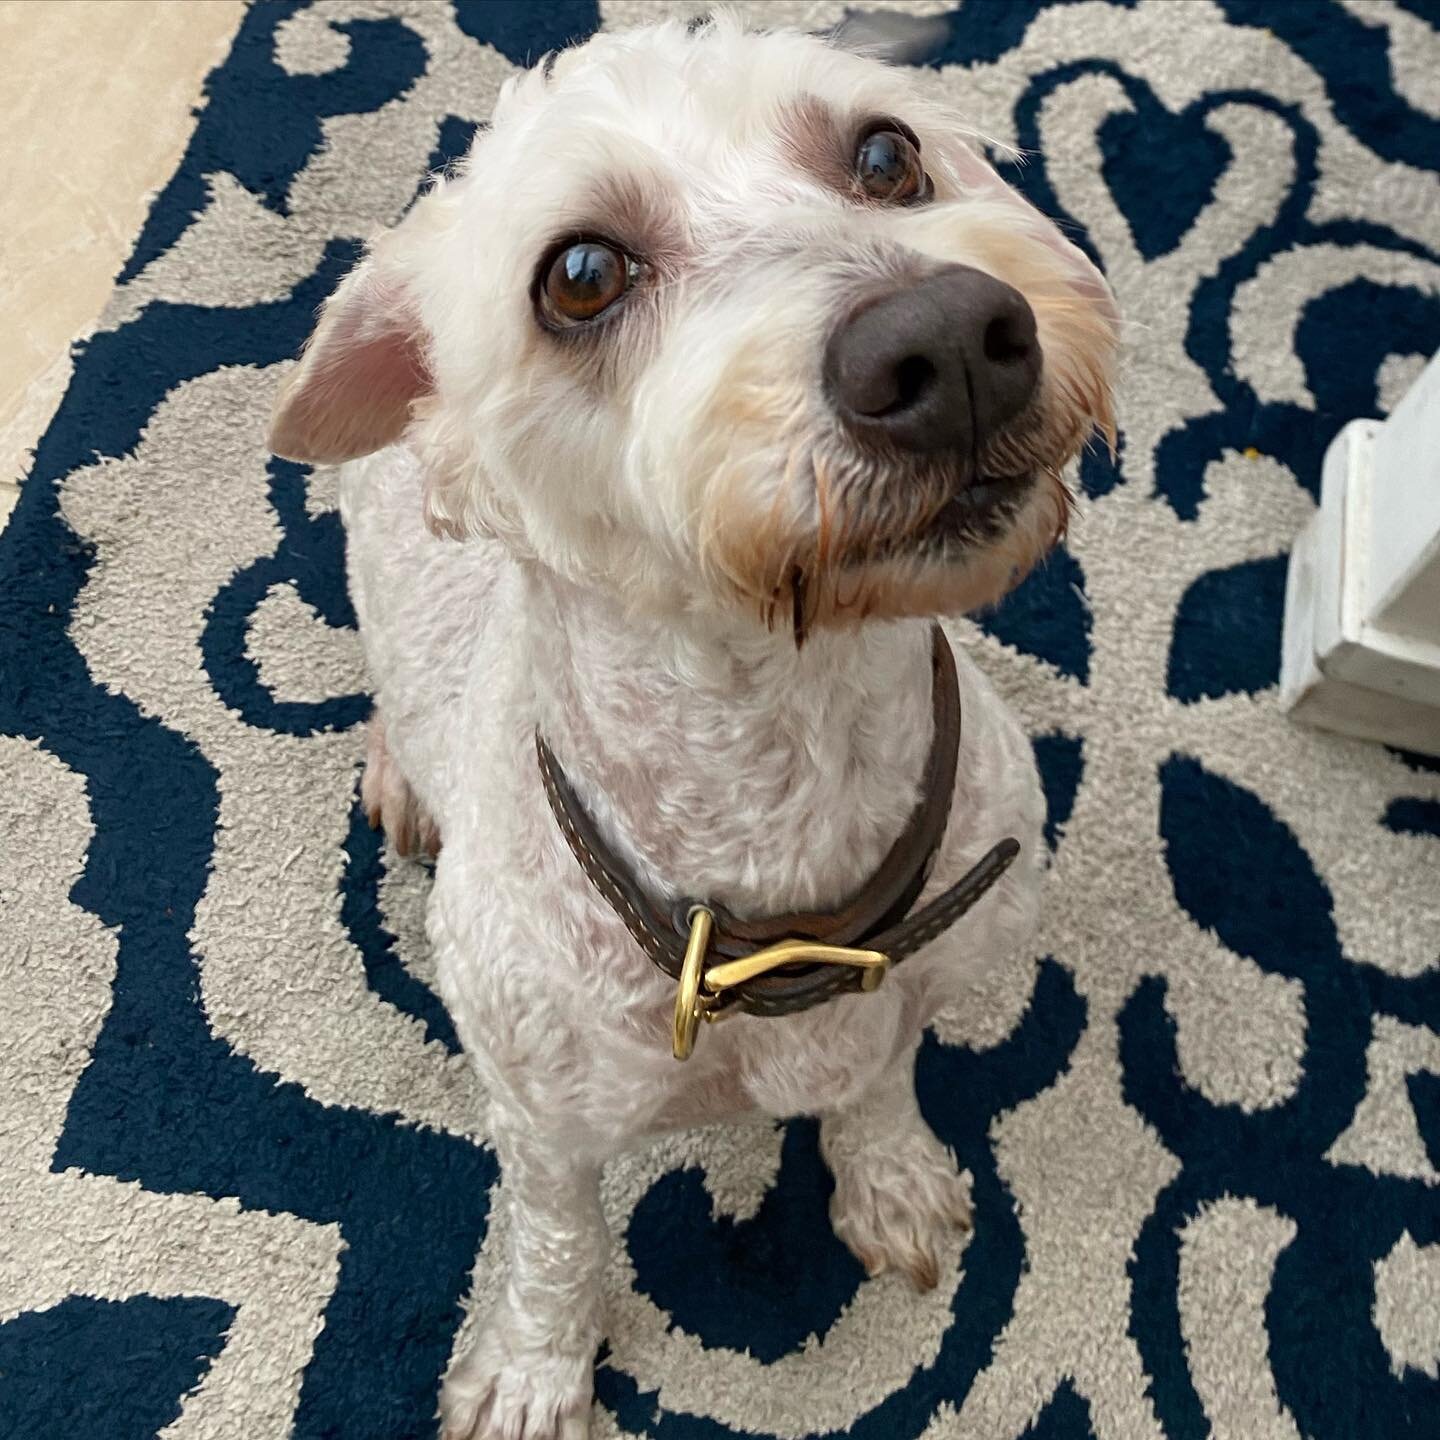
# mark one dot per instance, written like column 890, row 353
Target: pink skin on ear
column 362, row 370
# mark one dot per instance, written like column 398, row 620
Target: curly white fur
column 596, row 540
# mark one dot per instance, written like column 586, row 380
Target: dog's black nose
column 941, row 365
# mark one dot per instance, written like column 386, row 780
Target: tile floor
column 96, row 100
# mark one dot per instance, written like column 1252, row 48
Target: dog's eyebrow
column 637, row 210
column 816, row 139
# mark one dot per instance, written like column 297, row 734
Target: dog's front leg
column 529, row 1374
column 898, row 1196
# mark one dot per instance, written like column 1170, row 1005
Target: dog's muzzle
column 783, row 964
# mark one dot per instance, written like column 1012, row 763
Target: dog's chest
column 764, row 822
column 764, row 799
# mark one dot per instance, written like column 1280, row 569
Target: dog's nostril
column 913, row 377
column 1007, row 340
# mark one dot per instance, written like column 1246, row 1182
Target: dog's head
column 725, row 322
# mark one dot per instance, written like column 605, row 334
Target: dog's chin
column 966, row 556
column 928, row 544
column 976, row 517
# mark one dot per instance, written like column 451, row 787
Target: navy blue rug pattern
column 246, row 1177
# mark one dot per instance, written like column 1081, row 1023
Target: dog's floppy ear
column 360, row 373
column 896, row 38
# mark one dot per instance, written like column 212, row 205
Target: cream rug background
column 244, row 1176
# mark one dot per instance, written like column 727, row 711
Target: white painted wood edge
column 1344, row 666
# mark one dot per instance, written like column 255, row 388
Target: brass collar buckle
column 701, row 988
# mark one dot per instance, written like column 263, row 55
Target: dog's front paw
column 389, row 801
column 897, row 1204
column 496, row 1392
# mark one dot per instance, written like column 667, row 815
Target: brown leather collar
column 874, row 917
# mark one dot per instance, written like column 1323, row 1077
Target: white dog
column 723, row 365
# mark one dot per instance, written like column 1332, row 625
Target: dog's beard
column 972, row 550
column 893, row 535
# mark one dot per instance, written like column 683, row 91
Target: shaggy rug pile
column 244, row 1176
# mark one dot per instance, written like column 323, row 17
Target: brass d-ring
column 687, row 997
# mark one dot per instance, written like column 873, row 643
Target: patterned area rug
column 244, row 1176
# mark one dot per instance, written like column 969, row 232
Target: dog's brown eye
column 888, row 167
column 584, row 279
